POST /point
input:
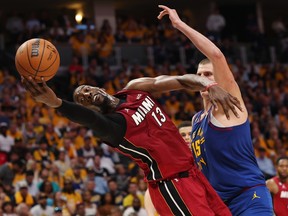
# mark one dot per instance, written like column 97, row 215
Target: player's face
column 88, row 95
column 205, row 70
column 282, row 168
column 186, row 134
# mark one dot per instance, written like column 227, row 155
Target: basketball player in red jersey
column 278, row 187
column 134, row 124
column 185, row 129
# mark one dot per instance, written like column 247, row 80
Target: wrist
column 57, row 103
column 177, row 24
column 209, row 86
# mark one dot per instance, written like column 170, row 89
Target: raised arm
column 222, row 73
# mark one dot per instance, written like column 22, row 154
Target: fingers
column 230, row 102
column 237, row 103
column 31, row 86
column 44, row 84
column 163, row 7
column 214, row 104
column 225, row 109
column 162, row 13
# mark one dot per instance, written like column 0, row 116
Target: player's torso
column 151, row 138
column 280, row 200
column 225, row 155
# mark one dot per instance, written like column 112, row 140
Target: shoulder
column 272, row 185
column 136, row 83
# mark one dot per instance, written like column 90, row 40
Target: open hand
column 173, row 16
column 228, row 102
column 41, row 92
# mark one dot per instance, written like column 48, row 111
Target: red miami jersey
column 280, row 200
column 151, row 139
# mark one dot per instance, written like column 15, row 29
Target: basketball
column 37, row 58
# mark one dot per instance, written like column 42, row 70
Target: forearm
column 104, row 127
column 203, row 44
column 194, row 82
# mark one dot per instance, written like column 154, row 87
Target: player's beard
column 282, row 177
column 106, row 105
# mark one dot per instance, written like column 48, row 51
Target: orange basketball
column 37, row 58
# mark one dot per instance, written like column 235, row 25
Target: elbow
column 217, row 54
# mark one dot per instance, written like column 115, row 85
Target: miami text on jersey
column 143, row 109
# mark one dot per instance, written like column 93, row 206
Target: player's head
column 205, row 68
column 282, row 167
column 185, row 129
column 93, row 97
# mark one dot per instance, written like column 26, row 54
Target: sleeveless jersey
column 280, row 200
column 225, row 156
column 151, row 139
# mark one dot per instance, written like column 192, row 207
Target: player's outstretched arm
column 188, row 81
column 41, row 92
column 223, row 74
column 103, row 125
column 167, row 83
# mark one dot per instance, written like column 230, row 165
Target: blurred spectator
column 23, row 196
column 80, row 43
column 122, row 177
column 90, row 186
column 31, row 183
column 57, row 211
column 6, row 141
column 278, row 26
column 215, row 24
column 80, row 209
column 78, row 174
column 69, row 148
column 265, row 164
column 44, row 178
column 72, row 196
column 105, row 45
column 41, row 208
column 43, row 156
column 115, row 211
column 135, row 208
column 63, row 161
column 8, row 209
column 9, row 170
column 278, row 186
column 107, row 203
column 56, row 32
column 23, row 210
column 117, row 194
column 109, row 152
column 90, row 207
column 14, row 26
column 88, row 150
column 132, row 192
column 75, row 70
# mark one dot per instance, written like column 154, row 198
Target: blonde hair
column 204, row 61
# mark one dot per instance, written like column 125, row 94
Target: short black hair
column 29, row 173
column 19, row 162
column 184, row 124
column 281, row 158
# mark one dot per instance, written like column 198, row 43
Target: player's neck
column 283, row 180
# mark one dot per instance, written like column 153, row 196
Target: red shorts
column 192, row 195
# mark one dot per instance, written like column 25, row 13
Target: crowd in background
column 48, row 162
